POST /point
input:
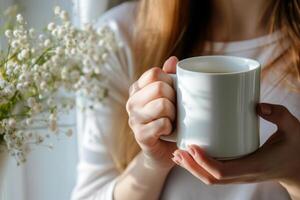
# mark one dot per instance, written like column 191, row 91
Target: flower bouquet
column 36, row 66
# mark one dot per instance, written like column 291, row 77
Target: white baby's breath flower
column 12, row 123
column 53, row 116
column 73, row 62
column 64, row 73
column 22, row 77
column 36, row 67
column 47, row 43
column 73, row 51
column 33, row 50
column 8, row 34
column 29, row 121
column 26, row 84
column 43, row 85
column 61, row 32
column 15, row 44
column 16, row 33
column 104, row 56
column 41, row 37
column 57, row 10
column 20, row 86
column 64, row 15
column 67, row 24
column 33, row 61
column 97, row 70
column 25, row 53
column 20, row 57
column 20, row 19
column 32, row 33
column 51, row 26
column 54, row 32
column 59, row 51
column 55, row 59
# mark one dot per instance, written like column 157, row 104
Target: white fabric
column 89, row 10
column 96, row 171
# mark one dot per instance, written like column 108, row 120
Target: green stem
column 42, row 55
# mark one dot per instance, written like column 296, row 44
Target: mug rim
column 256, row 65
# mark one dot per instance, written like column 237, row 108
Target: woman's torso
column 268, row 51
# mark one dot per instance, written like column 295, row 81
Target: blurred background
column 51, row 174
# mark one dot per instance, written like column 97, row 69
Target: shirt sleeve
column 99, row 123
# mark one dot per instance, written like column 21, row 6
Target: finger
column 149, row 134
column 170, row 65
column 205, row 176
column 280, row 116
column 212, row 166
column 158, row 108
column 246, row 167
column 152, row 75
column 149, row 93
column 185, row 160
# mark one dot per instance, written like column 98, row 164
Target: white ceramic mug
column 216, row 100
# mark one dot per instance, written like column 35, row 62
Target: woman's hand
column 278, row 159
column 151, row 110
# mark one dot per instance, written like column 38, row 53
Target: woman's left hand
column 278, row 159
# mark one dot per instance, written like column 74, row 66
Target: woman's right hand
column 151, row 110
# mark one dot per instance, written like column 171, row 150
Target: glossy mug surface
column 216, row 100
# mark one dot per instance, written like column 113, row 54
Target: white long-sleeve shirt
column 97, row 173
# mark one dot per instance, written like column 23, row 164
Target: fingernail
column 177, row 156
column 172, row 61
column 176, row 161
column 173, row 58
column 191, row 151
column 265, row 109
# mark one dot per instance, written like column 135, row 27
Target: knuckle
column 130, row 90
column 220, row 174
column 154, row 73
column 283, row 112
column 165, row 126
column 139, row 134
column 140, row 138
column 163, row 105
column 159, row 88
column 209, row 181
column 283, row 109
column 131, row 122
column 128, row 106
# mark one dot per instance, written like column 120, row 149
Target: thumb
column 170, row 65
column 278, row 115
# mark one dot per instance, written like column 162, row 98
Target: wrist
column 151, row 164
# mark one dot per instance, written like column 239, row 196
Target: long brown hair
column 164, row 28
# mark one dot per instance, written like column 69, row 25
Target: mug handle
column 173, row 136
